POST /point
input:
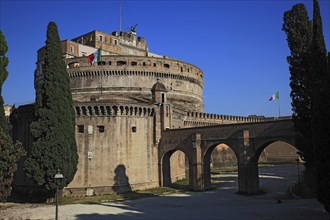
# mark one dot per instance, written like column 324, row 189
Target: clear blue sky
column 239, row 45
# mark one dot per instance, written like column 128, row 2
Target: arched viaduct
column 246, row 140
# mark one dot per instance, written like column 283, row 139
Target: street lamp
column 58, row 176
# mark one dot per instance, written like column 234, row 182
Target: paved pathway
column 222, row 203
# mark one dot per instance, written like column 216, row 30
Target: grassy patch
column 159, row 191
column 223, row 170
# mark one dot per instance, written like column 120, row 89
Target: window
column 154, row 64
column 109, row 63
column 115, row 42
column 72, row 49
column 163, row 97
column 144, row 64
column 121, row 63
column 134, row 129
column 80, row 128
column 101, row 37
column 133, row 63
column 101, row 63
column 166, row 65
column 100, row 128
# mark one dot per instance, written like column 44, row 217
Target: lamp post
column 58, row 176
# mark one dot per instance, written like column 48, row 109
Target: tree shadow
column 123, row 187
column 128, row 212
column 122, row 184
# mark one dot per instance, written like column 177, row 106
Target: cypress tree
column 53, row 130
column 298, row 29
column 3, row 77
column 10, row 153
column 320, row 110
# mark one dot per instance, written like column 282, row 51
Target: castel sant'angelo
column 123, row 102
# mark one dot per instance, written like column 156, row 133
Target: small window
column 154, row 64
column 134, row 129
column 144, row 64
column 166, row 65
column 101, row 63
column 109, row 63
column 121, row 63
column 100, row 128
column 101, row 38
column 80, row 128
column 163, row 97
column 133, row 63
column 72, row 49
column 181, row 69
column 115, row 42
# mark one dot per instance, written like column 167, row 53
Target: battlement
column 113, row 110
column 197, row 119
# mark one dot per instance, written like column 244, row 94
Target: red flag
column 91, row 58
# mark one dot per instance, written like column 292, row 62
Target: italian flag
column 275, row 96
column 94, row 57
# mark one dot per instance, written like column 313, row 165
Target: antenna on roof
column 120, row 17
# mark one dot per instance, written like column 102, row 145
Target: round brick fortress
column 126, row 78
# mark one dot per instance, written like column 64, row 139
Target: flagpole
column 279, row 109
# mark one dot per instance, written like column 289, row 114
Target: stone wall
column 132, row 77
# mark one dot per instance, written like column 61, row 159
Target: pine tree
column 298, row 29
column 10, row 153
column 320, row 110
column 54, row 146
column 3, row 77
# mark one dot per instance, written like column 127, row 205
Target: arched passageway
column 218, row 159
column 276, row 165
column 174, row 167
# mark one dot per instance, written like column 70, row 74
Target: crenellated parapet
column 103, row 110
column 197, row 119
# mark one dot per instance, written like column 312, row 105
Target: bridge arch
column 260, row 147
column 207, row 160
column 165, row 168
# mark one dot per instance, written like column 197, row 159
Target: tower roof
column 158, row 87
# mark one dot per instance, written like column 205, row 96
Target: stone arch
column 90, row 110
column 207, row 160
column 278, row 151
column 264, row 144
column 78, row 111
column 102, row 110
column 165, row 170
column 96, row 110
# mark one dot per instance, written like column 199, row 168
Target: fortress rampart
column 131, row 77
column 198, row 119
